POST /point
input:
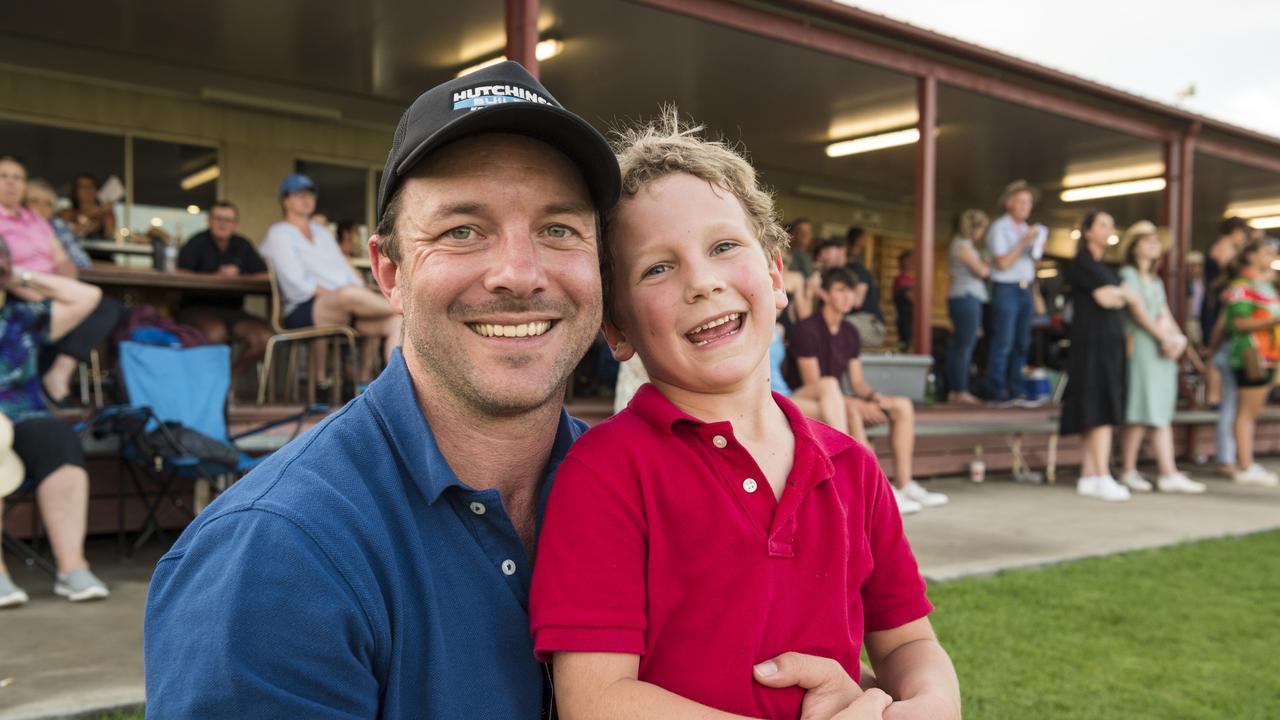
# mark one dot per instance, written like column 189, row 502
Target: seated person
column 348, row 238
column 42, row 199
column 34, row 309
column 828, row 345
column 35, row 247
column 88, row 217
column 219, row 250
column 318, row 285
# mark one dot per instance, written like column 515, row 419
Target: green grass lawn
column 1191, row 631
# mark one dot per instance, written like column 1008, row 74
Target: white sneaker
column 1255, row 475
column 11, row 595
column 915, row 491
column 1102, row 487
column 906, row 505
column 1179, row 483
column 1133, row 480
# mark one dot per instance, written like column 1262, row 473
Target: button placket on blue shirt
column 494, row 532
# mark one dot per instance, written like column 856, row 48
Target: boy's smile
column 695, row 293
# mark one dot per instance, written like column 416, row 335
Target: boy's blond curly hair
column 666, row 145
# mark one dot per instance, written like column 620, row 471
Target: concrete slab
column 76, row 660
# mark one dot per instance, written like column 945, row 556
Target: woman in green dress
column 1154, row 343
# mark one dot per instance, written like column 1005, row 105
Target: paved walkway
column 66, row 661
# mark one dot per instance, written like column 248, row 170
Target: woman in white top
column 965, row 299
column 317, row 284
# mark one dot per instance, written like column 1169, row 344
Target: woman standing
column 965, row 299
column 1252, row 311
column 1154, row 344
column 1095, row 393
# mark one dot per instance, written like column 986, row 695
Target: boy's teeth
column 531, row 329
column 715, row 323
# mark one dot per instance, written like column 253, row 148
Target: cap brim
column 561, row 129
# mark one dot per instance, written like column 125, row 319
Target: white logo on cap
column 485, row 95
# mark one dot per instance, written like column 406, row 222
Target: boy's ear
column 618, row 345
column 776, row 278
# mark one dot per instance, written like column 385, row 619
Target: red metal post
column 1182, row 224
column 522, row 33
column 926, row 175
column 1169, row 216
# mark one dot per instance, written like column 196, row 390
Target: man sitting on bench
column 825, row 344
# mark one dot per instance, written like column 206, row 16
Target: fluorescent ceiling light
column 1253, row 209
column 872, row 122
column 1084, row 175
column 544, row 50
column 196, row 179
column 1266, row 223
column 873, row 142
column 1093, row 192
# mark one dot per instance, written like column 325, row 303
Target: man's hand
column 829, row 691
column 872, row 411
column 228, row 271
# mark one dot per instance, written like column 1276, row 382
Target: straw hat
column 1018, row 186
column 11, row 469
column 1142, row 228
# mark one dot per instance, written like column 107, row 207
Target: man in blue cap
column 318, row 285
column 379, row 566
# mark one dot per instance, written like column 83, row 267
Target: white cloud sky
column 1228, row 49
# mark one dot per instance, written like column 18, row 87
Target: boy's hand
column 828, row 688
column 873, row 704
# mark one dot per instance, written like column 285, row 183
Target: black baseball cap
column 503, row 98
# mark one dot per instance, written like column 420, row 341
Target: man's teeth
column 532, row 329
column 715, row 323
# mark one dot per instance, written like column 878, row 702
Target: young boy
column 826, row 345
column 709, row 526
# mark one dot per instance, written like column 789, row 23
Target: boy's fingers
column 805, row 671
column 869, row 704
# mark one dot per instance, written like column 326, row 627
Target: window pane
column 341, row 191
column 57, row 155
column 169, row 180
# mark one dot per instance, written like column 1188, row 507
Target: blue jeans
column 966, row 317
column 1011, row 310
column 1226, row 408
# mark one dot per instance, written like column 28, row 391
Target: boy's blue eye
column 655, row 270
column 723, row 246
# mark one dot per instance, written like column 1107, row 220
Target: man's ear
column 618, row 345
column 386, row 273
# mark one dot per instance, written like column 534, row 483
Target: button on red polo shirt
column 663, row 539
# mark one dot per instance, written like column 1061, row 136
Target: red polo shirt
column 663, row 539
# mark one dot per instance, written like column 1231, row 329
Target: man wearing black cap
column 380, row 565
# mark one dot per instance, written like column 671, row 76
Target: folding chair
column 184, row 385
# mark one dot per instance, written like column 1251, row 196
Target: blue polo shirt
column 351, row 575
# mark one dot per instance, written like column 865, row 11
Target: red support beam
column 1186, row 147
column 522, row 33
column 1237, row 155
column 926, row 190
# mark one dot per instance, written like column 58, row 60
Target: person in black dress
column 1095, row 393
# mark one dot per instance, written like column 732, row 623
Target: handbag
column 177, row 440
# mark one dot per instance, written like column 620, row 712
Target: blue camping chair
column 172, row 390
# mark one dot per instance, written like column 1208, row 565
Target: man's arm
column 294, row 283
column 1005, row 244
column 810, row 372
column 252, row 619
column 858, row 382
column 72, row 300
column 62, row 263
column 912, row 667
